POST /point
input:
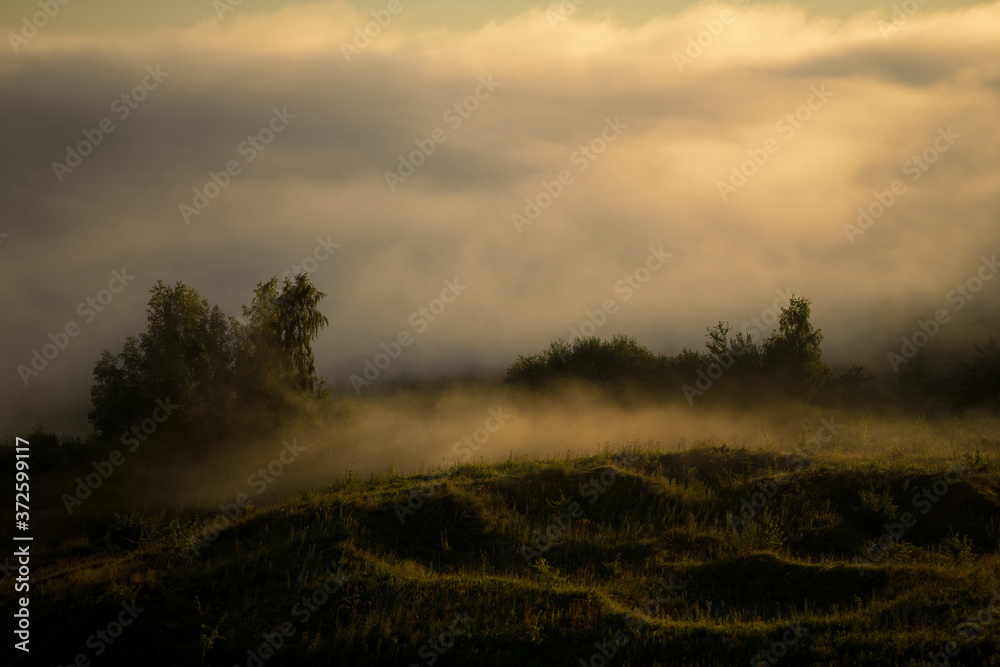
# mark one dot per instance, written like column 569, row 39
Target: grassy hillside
column 634, row 556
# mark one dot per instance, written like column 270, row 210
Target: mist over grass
column 703, row 543
column 542, row 511
column 412, row 430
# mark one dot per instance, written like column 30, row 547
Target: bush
column 132, row 530
column 615, row 362
column 787, row 363
column 876, row 508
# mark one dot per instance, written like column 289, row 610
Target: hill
column 633, row 556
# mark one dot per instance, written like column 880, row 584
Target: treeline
column 738, row 370
column 196, row 370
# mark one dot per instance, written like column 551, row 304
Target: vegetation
column 232, row 376
column 218, row 369
column 862, row 543
column 665, row 552
column 739, row 371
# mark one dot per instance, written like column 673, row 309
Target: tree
column 742, row 361
column 277, row 342
column 299, row 323
column 194, row 355
column 187, row 350
column 535, row 370
column 610, row 363
column 741, row 351
column 792, row 354
column 119, row 393
column 738, row 369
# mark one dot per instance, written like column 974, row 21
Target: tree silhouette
column 615, row 362
column 209, row 363
column 792, row 354
column 187, row 350
column 119, row 392
column 787, row 363
column 277, row 338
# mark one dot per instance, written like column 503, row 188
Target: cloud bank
column 535, row 163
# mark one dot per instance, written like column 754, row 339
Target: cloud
column 655, row 183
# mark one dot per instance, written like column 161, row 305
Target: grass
column 657, row 554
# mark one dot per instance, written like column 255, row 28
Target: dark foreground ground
column 635, row 556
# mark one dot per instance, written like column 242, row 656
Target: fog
column 829, row 112
column 431, row 433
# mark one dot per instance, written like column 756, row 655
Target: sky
column 482, row 178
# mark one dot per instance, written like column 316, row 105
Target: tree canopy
column 788, row 362
column 211, row 364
